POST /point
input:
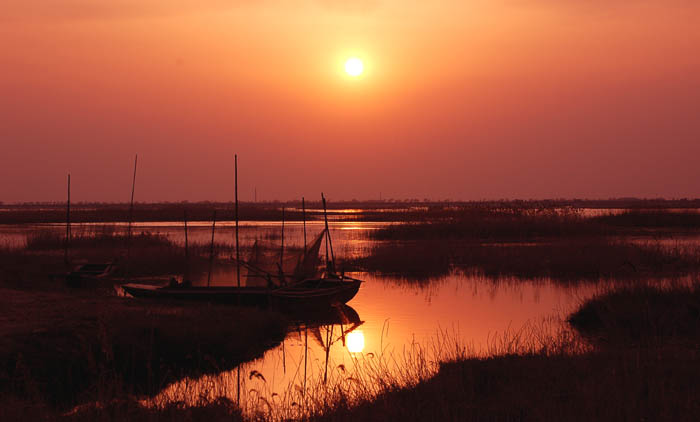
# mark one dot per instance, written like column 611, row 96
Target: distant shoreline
column 408, row 210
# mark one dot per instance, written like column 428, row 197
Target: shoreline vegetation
column 405, row 211
column 60, row 349
column 561, row 261
column 636, row 357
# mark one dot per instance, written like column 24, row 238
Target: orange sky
column 460, row 99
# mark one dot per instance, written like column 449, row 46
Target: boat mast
column 187, row 251
column 282, row 278
column 238, row 261
column 328, row 236
column 131, row 216
column 303, row 217
column 211, row 250
column 68, row 233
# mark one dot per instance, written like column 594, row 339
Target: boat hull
column 338, row 292
column 310, row 294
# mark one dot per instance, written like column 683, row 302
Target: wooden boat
column 90, row 274
column 316, row 293
column 306, row 294
column 289, row 283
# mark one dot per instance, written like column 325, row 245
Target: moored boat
column 307, row 294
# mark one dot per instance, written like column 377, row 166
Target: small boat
column 316, row 293
column 306, row 294
column 288, row 282
column 90, row 274
column 302, row 290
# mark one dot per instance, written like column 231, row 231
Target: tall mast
column 131, row 216
column 131, row 204
column 282, row 278
column 328, row 236
column 68, row 232
column 187, row 251
column 211, row 250
column 303, row 217
column 238, row 262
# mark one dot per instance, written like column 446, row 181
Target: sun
column 355, row 341
column 354, row 66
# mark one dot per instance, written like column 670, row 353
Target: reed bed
column 643, row 315
column 525, row 224
column 143, row 254
column 507, row 224
column 653, row 219
column 573, row 260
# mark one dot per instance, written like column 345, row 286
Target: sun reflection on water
column 355, row 341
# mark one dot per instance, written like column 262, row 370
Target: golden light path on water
column 355, row 341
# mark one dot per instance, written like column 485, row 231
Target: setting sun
column 354, row 66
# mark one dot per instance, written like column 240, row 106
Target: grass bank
column 626, row 385
column 68, row 348
column 642, row 316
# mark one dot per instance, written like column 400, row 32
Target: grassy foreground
column 63, row 349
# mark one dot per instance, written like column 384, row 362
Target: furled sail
column 272, row 266
column 310, row 261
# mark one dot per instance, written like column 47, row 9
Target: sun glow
column 355, row 341
column 354, row 66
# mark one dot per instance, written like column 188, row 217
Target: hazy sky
column 460, row 99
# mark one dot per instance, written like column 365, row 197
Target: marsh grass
column 643, row 315
column 418, row 260
column 653, row 219
column 63, row 350
column 511, row 224
column 591, row 259
column 149, row 254
column 131, row 410
column 103, row 236
column 501, row 224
